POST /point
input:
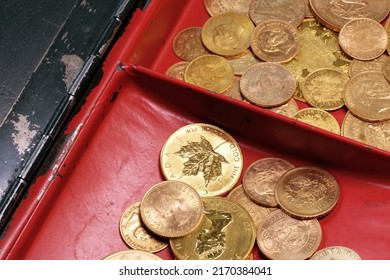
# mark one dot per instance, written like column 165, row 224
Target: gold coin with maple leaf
column 203, row 156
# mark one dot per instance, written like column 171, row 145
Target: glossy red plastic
column 111, row 154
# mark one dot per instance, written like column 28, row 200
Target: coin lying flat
column 318, row 118
column 307, row 192
column 135, row 234
column 367, row 96
column 177, row 70
column 281, row 237
column 319, row 49
column 386, row 68
column 375, row 134
column 132, row 255
column 171, row 209
column 323, row 89
column 260, row 178
column 336, row 253
column 291, row 11
column 336, row 13
column 289, row 109
column 268, row 84
column 188, row 44
column 356, row 38
column 256, row 211
column 216, row 7
column 226, row 233
column 211, row 72
column 203, row 156
column 275, row 41
column 227, row 34
column 242, row 63
column 359, row 66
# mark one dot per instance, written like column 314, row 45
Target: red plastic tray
column 111, row 154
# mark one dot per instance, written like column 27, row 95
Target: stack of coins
column 305, row 59
column 201, row 211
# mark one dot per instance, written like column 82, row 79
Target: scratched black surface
column 44, row 45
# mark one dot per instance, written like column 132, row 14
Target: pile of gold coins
column 305, row 59
column 202, row 212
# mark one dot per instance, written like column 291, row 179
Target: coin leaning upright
column 203, row 156
column 171, row 209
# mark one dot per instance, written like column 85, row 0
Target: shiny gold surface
column 256, row 211
column 323, row 89
column 386, row 68
column 275, row 41
column 216, row 7
column 171, row 209
column 211, row 72
column 260, row 178
column 227, row 232
column 336, row 253
column 336, row 13
column 268, row 84
column 307, row 192
column 375, row 134
column 291, row 11
column 319, row 49
column 227, row 34
column 177, row 70
column 318, row 118
column 132, row 255
column 289, row 109
column 204, row 156
column 356, row 38
column 367, row 96
column 135, row 234
column 188, row 44
column 281, row 237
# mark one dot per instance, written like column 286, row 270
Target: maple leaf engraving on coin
column 201, row 158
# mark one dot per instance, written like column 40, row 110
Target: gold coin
column 307, row 192
column 135, row 234
column 211, row 72
column 308, row 13
column 318, row 118
column 260, row 178
column 375, row 134
column 256, row 211
column 132, row 255
column 367, row 96
column 171, row 209
column 227, row 232
column 289, row 109
column 323, row 89
column 356, row 38
column 234, row 91
column 386, row 68
column 281, row 237
column 216, row 7
column 336, row 13
column 291, row 11
column 359, row 66
column 387, row 28
column 268, row 84
column 275, row 41
column 203, row 156
column 242, row 63
column 227, row 34
column 188, row 44
column 319, row 49
column 177, row 69
column 336, row 253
